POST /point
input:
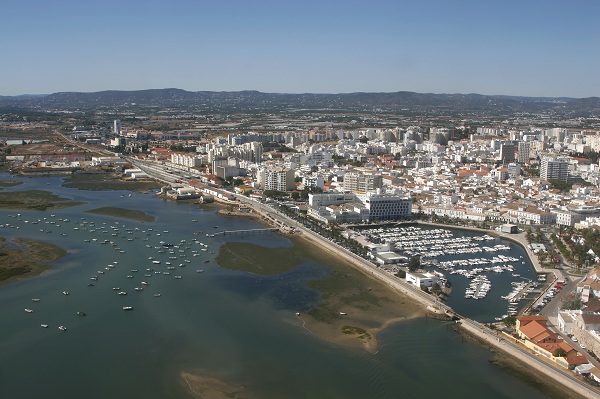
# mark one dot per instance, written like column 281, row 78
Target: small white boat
column 127, row 307
column 35, row 299
column 342, row 313
column 44, row 325
column 29, row 310
column 157, row 295
column 66, row 292
column 62, row 328
column 139, row 288
column 145, row 283
column 122, row 293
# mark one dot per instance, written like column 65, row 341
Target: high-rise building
column 554, row 169
column 116, row 126
column 524, row 148
column 359, row 183
column 507, row 152
column 278, row 179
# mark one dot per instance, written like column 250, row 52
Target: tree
column 414, row 263
column 436, row 289
column 559, row 352
column 510, row 321
column 401, row 274
column 572, row 301
column 295, row 195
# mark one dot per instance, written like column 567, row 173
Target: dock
column 246, row 231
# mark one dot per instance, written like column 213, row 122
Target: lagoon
column 234, row 326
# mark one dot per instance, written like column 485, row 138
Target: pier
column 247, row 231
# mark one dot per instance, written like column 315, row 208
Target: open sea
column 234, row 326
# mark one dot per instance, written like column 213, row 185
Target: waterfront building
column 386, row 206
column 276, row 178
column 532, row 215
column 426, row 279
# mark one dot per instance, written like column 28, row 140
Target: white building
column 426, row 279
column 278, row 179
column 384, row 206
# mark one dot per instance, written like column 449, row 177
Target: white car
column 574, row 339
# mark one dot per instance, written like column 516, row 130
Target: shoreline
column 556, row 379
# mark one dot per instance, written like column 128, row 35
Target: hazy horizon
column 291, row 93
column 513, row 48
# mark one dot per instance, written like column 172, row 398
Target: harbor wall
column 532, row 361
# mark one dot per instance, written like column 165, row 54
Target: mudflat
column 354, row 307
column 21, row 258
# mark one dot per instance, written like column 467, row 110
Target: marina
column 471, row 264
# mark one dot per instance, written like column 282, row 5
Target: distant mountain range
column 256, row 101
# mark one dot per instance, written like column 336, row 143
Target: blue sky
column 525, row 47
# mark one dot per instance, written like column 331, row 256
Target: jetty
column 246, row 231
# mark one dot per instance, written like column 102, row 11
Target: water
column 231, row 325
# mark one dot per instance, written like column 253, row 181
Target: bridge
column 247, row 231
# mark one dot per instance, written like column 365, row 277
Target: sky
column 510, row 47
